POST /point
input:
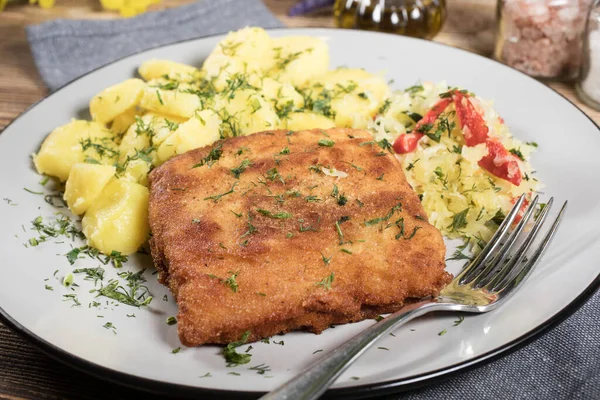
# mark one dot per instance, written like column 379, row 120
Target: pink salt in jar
column 542, row 38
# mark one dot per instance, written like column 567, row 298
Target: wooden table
column 24, row 371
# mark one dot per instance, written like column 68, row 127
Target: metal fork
column 483, row 285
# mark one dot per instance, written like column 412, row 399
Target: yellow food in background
column 249, row 83
column 118, row 219
column 85, row 184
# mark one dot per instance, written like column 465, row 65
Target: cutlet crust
column 257, row 252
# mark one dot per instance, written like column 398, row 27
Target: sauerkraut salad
column 458, row 155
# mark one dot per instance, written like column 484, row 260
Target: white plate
column 140, row 353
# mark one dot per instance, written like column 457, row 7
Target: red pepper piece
column 470, row 121
column 501, row 163
column 407, row 143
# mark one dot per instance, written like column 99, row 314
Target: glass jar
column 541, row 37
column 417, row 18
column 588, row 84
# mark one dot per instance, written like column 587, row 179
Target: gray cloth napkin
column 563, row 364
column 66, row 49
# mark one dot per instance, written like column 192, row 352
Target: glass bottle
column 588, row 83
column 541, row 37
column 417, row 18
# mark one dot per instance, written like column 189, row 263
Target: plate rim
column 354, row 392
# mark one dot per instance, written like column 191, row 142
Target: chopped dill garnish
column 459, row 221
column 232, row 357
column 339, row 229
column 277, row 215
column 326, row 143
column 241, row 168
column 326, row 282
column 213, row 156
column 340, row 198
column 393, row 210
column 218, row 197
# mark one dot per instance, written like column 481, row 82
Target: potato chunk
column 115, row 100
column 200, row 130
column 85, row 184
column 122, row 122
column 245, row 112
column 153, row 69
column 298, row 59
column 245, row 50
column 72, row 143
column 170, row 102
column 354, row 95
column 118, row 219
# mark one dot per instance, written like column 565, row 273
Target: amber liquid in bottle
column 416, row 18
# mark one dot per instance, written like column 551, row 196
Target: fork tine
column 474, row 266
column 487, row 274
column 509, row 270
column 537, row 255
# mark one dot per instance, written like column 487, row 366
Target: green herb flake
column 171, row 321
column 459, row 320
column 232, row 357
column 277, row 215
column 459, row 221
column 346, row 251
column 326, row 143
column 176, row 350
column 48, row 287
column 326, row 282
column 110, row 326
column 517, row 152
column 241, row 168
column 217, row 197
column 442, row 333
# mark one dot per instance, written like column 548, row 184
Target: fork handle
column 313, row 381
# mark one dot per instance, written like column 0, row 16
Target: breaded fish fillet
column 280, row 231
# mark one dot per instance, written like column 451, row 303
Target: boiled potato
column 153, row 69
column 200, row 130
column 170, row 102
column 118, row 219
column 115, row 100
column 245, row 112
column 279, row 93
column 356, row 95
column 122, row 122
column 84, row 185
column 298, row 59
column 245, row 50
column 137, row 170
column 72, row 143
column 150, row 130
column 305, row 120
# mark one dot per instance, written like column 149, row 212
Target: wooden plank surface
column 25, row 372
